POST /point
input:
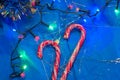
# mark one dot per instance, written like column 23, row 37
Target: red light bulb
column 21, row 36
column 22, row 74
column 33, row 3
column 37, row 38
column 70, row 6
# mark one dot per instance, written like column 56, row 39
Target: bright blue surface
column 102, row 43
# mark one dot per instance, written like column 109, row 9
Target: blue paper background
column 102, row 43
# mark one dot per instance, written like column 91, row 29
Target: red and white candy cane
column 76, row 50
column 57, row 59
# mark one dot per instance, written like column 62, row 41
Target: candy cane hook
column 76, row 50
column 57, row 59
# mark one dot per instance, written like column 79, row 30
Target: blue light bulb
column 84, row 20
column 97, row 10
column 14, row 30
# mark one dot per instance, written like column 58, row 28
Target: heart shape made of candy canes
column 73, row 56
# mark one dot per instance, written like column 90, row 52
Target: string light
column 37, row 38
column 58, row 40
column 84, row 20
column 70, row 6
column 33, row 10
column 52, row 26
column 14, row 30
column 24, row 67
column 33, row 3
column 77, row 9
column 117, row 11
column 16, row 74
column 22, row 74
column 98, row 10
column 22, row 54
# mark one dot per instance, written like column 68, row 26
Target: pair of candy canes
column 55, row 45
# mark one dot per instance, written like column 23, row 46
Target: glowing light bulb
column 22, row 75
column 14, row 30
column 77, row 9
column 57, row 41
column 23, row 54
column 33, row 10
column 97, row 10
column 24, row 67
column 52, row 26
column 84, row 20
column 33, row 3
column 117, row 11
column 70, row 6
column 37, row 38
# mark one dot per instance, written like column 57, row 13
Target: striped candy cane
column 57, row 59
column 76, row 50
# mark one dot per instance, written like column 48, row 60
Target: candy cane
column 57, row 59
column 76, row 50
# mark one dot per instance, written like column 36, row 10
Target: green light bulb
column 22, row 54
column 52, row 26
column 24, row 67
column 117, row 11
